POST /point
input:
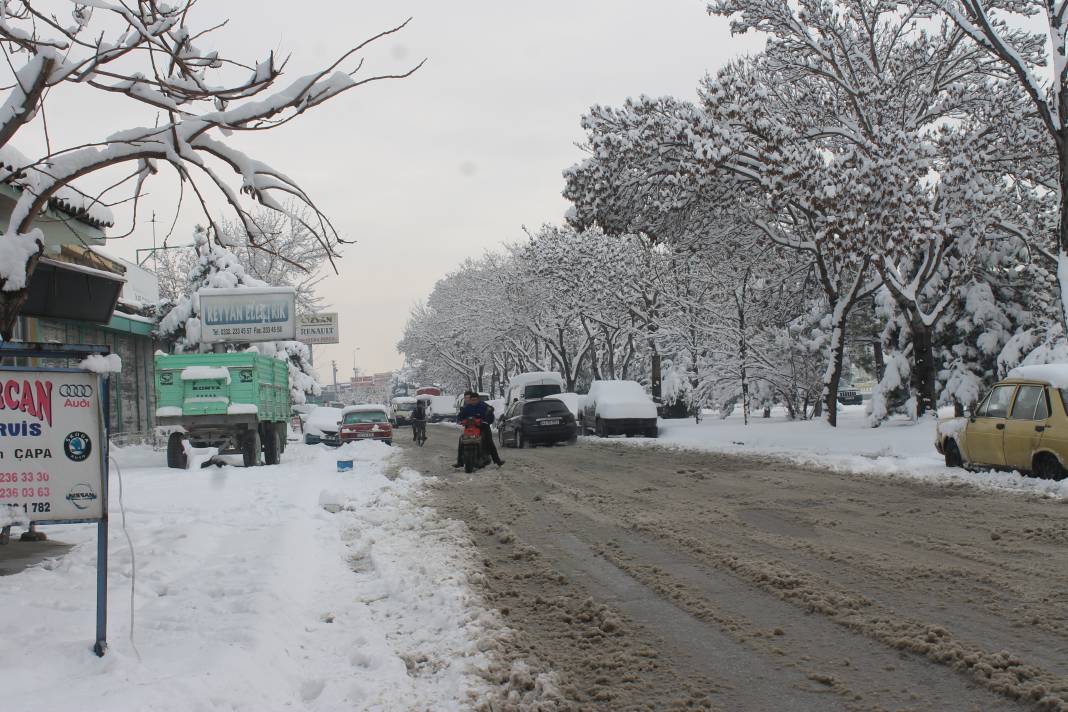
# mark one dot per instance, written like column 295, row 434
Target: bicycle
column 419, row 428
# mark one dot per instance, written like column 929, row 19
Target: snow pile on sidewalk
column 252, row 596
column 899, row 447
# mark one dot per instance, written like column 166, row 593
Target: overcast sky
column 453, row 161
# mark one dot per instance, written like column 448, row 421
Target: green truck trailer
column 237, row 402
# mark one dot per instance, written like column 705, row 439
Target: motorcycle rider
column 418, row 419
column 474, row 407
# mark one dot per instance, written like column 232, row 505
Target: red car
column 366, row 422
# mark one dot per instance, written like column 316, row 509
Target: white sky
column 427, row 171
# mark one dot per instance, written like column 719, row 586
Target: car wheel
column 952, row 453
column 250, row 448
column 271, row 449
column 572, row 440
column 1048, row 467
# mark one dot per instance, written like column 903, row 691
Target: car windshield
column 545, row 409
column 365, row 416
column 405, row 407
column 541, row 390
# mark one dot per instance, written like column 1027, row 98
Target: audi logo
column 71, row 390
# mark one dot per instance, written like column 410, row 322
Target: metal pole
column 101, row 645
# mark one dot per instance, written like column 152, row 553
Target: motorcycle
column 474, row 454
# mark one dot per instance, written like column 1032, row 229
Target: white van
column 536, row 384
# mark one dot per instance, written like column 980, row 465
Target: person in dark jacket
column 474, row 407
column 418, row 420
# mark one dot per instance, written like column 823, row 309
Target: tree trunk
column 481, row 373
column 654, row 380
column 880, row 360
column 923, row 371
column 1062, row 228
column 832, row 377
column 11, row 302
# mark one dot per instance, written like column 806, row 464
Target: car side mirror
column 339, row 423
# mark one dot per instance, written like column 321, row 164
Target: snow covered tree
column 292, row 258
column 1029, row 39
column 148, row 56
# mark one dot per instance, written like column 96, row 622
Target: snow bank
column 97, row 363
column 206, row 373
column 251, row 596
column 899, row 448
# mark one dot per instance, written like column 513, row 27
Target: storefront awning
column 61, row 290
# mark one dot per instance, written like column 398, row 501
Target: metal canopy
column 61, row 290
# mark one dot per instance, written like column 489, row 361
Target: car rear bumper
column 550, row 433
column 628, row 426
column 346, row 438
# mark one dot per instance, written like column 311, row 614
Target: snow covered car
column 366, row 422
column 1022, row 425
column 321, row 426
column 619, row 408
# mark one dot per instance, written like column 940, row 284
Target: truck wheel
column 283, row 436
column 272, row 449
column 250, row 448
column 176, row 456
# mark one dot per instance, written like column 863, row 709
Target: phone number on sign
column 14, row 492
column 249, row 331
column 14, row 477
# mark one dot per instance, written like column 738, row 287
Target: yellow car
column 1021, row 425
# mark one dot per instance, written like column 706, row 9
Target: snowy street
column 251, row 596
column 647, row 578
column 614, row 574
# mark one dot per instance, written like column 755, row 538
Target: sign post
column 54, row 449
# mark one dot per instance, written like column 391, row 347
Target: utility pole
column 333, row 364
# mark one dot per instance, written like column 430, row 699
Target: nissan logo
column 73, row 390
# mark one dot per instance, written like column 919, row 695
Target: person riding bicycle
column 418, row 420
column 474, row 407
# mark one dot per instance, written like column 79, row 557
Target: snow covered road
column 251, row 596
column 655, row 578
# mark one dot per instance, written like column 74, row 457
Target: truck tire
column 250, row 448
column 283, row 436
column 176, row 456
column 272, row 448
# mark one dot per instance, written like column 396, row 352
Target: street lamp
column 355, row 373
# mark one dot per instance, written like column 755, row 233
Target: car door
column 985, row 432
column 1026, row 422
column 508, row 426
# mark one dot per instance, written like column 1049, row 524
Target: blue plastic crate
column 344, row 465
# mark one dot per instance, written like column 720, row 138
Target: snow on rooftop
column 534, row 377
column 1055, row 374
column 365, row 408
column 17, row 170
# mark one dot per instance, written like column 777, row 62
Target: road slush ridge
column 653, row 579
